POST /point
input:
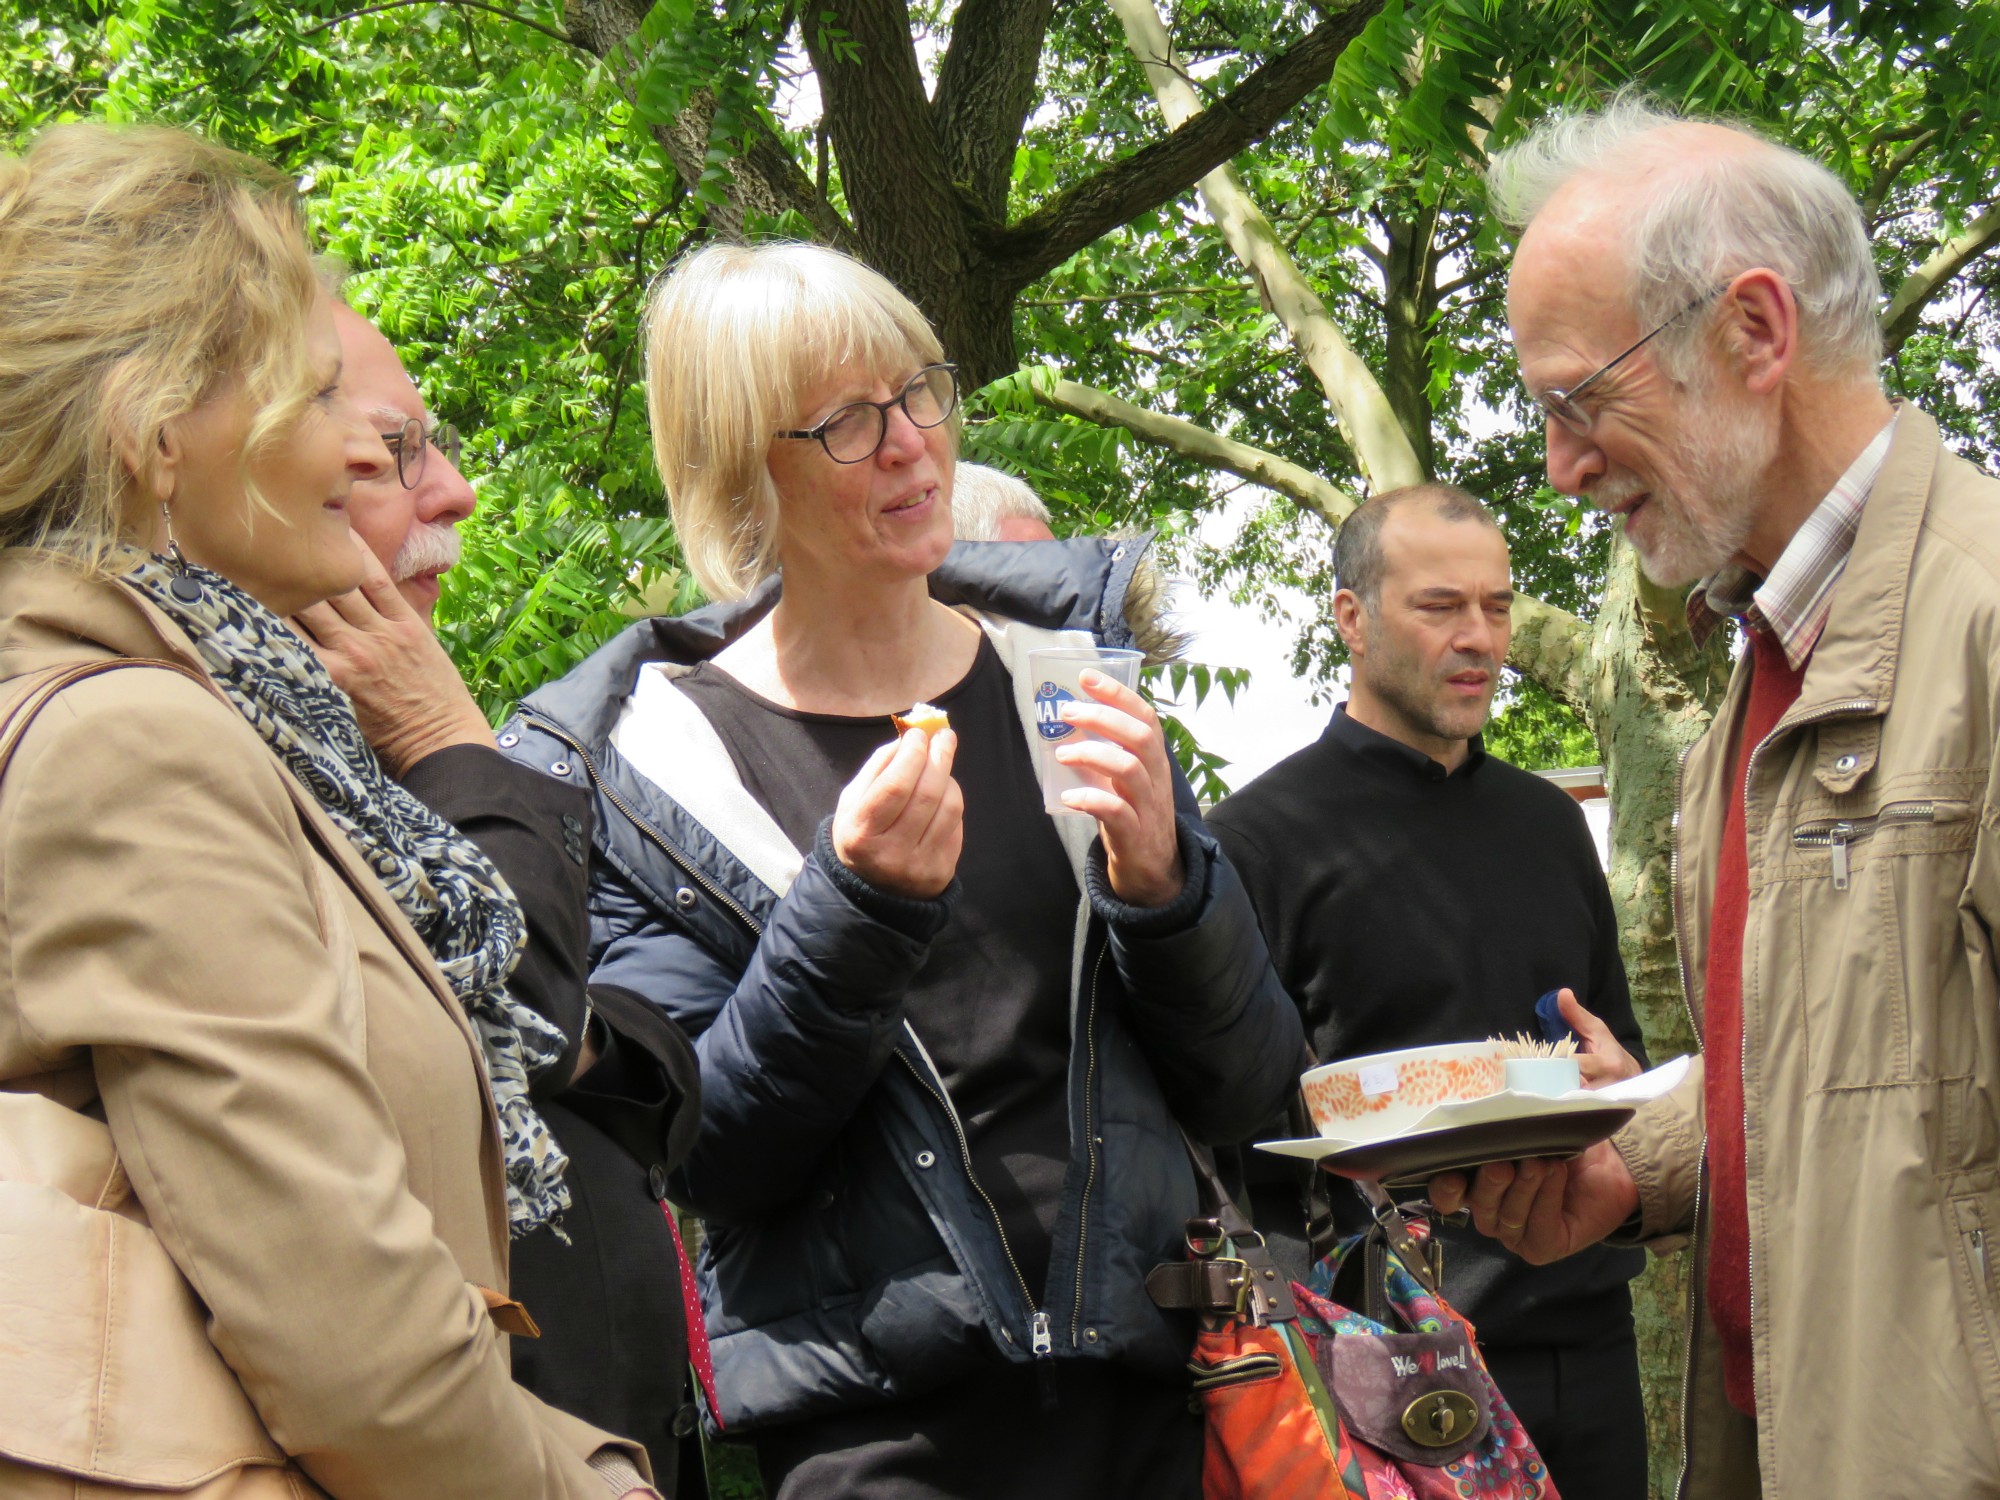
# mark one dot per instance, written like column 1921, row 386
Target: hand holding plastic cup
column 1056, row 675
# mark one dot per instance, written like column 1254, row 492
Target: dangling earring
column 183, row 585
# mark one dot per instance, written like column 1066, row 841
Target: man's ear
column 1350, row 618
column 1760, row 329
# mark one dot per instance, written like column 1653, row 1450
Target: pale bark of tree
column 1380, row 444
column 1930, row 278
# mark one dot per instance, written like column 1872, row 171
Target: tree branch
column 985, row 88
column 1169, row 166
column 1145, row 294
column 1328, row 501
column 1548, row 642
column 1885, row 177
column 1930, row 278
column 1359, row 404
column 763, row 177
column 1471, row 278
column 491, row 10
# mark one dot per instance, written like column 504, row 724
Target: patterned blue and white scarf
column 458, row 903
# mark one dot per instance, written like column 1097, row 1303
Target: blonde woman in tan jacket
column 263, row 1095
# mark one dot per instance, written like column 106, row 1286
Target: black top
column 1405, row 906
column 991, row 1001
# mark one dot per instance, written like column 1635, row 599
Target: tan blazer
column 193, row 954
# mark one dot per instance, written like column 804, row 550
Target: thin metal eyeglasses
column 1562, row 406
column 412, row 445
column 856, row 432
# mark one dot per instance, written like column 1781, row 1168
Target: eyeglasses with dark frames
column 856, row 432
column 1561, row 405
column 412, row 445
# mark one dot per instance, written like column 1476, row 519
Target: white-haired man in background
column 1695, row 311
column 991, row 505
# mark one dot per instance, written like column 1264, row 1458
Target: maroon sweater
column 1774, row 687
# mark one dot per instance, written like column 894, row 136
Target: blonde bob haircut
column 738, row 338
column 141, row 270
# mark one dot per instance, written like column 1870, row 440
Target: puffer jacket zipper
column 1089, row 1138
column 1042, row 1345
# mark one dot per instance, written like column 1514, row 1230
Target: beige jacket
column 1871, row 1055
column 191, row 954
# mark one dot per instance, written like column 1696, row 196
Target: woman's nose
column 902, row 439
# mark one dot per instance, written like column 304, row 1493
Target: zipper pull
column 1043, row 1345
column 1837, row 838
column 1978, row 1241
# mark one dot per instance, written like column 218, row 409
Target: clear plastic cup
column 1056, row 674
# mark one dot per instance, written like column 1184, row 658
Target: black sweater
column 1405, row 907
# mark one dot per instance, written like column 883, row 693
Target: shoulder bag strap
column 1229, row 1272
column 27, row 695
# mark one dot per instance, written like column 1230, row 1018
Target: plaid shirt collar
column 1794, row 602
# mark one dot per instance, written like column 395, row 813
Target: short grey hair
column 1357, row 547
column 1714, row 215
column 981, row 498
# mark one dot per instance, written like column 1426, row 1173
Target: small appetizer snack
column 925, row 716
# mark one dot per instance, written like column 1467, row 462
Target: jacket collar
column 1078, row 584
column 51, row 615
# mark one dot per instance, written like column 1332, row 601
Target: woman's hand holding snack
column 900, row 822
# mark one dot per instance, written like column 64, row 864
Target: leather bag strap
column 30, row 693
column 1244, row 1283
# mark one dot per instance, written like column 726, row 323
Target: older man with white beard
column 604, row 1282
column 1695, row 311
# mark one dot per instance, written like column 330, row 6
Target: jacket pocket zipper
column 1042, row 1343
column 1838, row 834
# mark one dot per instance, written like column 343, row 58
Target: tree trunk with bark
column 1648, row 693
column 1409, row 303
column 925, row 178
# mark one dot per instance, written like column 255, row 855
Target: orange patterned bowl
column 1366, row 1098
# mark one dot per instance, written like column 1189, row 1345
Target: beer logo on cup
column 1048, row 712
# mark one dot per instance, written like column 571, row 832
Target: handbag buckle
column 1205, row 1237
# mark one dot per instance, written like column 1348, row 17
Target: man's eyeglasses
column 856, row 431
column 1562, row 405
column 413, row 444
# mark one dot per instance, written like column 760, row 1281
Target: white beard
column 1701, row 516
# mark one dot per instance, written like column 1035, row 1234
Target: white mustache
column 431, row 547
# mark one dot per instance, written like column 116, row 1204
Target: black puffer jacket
column 851, row 1258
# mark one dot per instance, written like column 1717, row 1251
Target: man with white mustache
column 1696, row 313
column 604, row 1281
column 1414, row 890
column 408, row 517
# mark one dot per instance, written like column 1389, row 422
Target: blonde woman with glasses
column 264, row 1114
column 948, row 1042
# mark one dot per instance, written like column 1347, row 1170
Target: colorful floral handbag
column 1417, row 1406
column 1306, row 1399
column 1273, row 1430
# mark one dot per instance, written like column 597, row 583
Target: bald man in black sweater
column 1413, row 890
